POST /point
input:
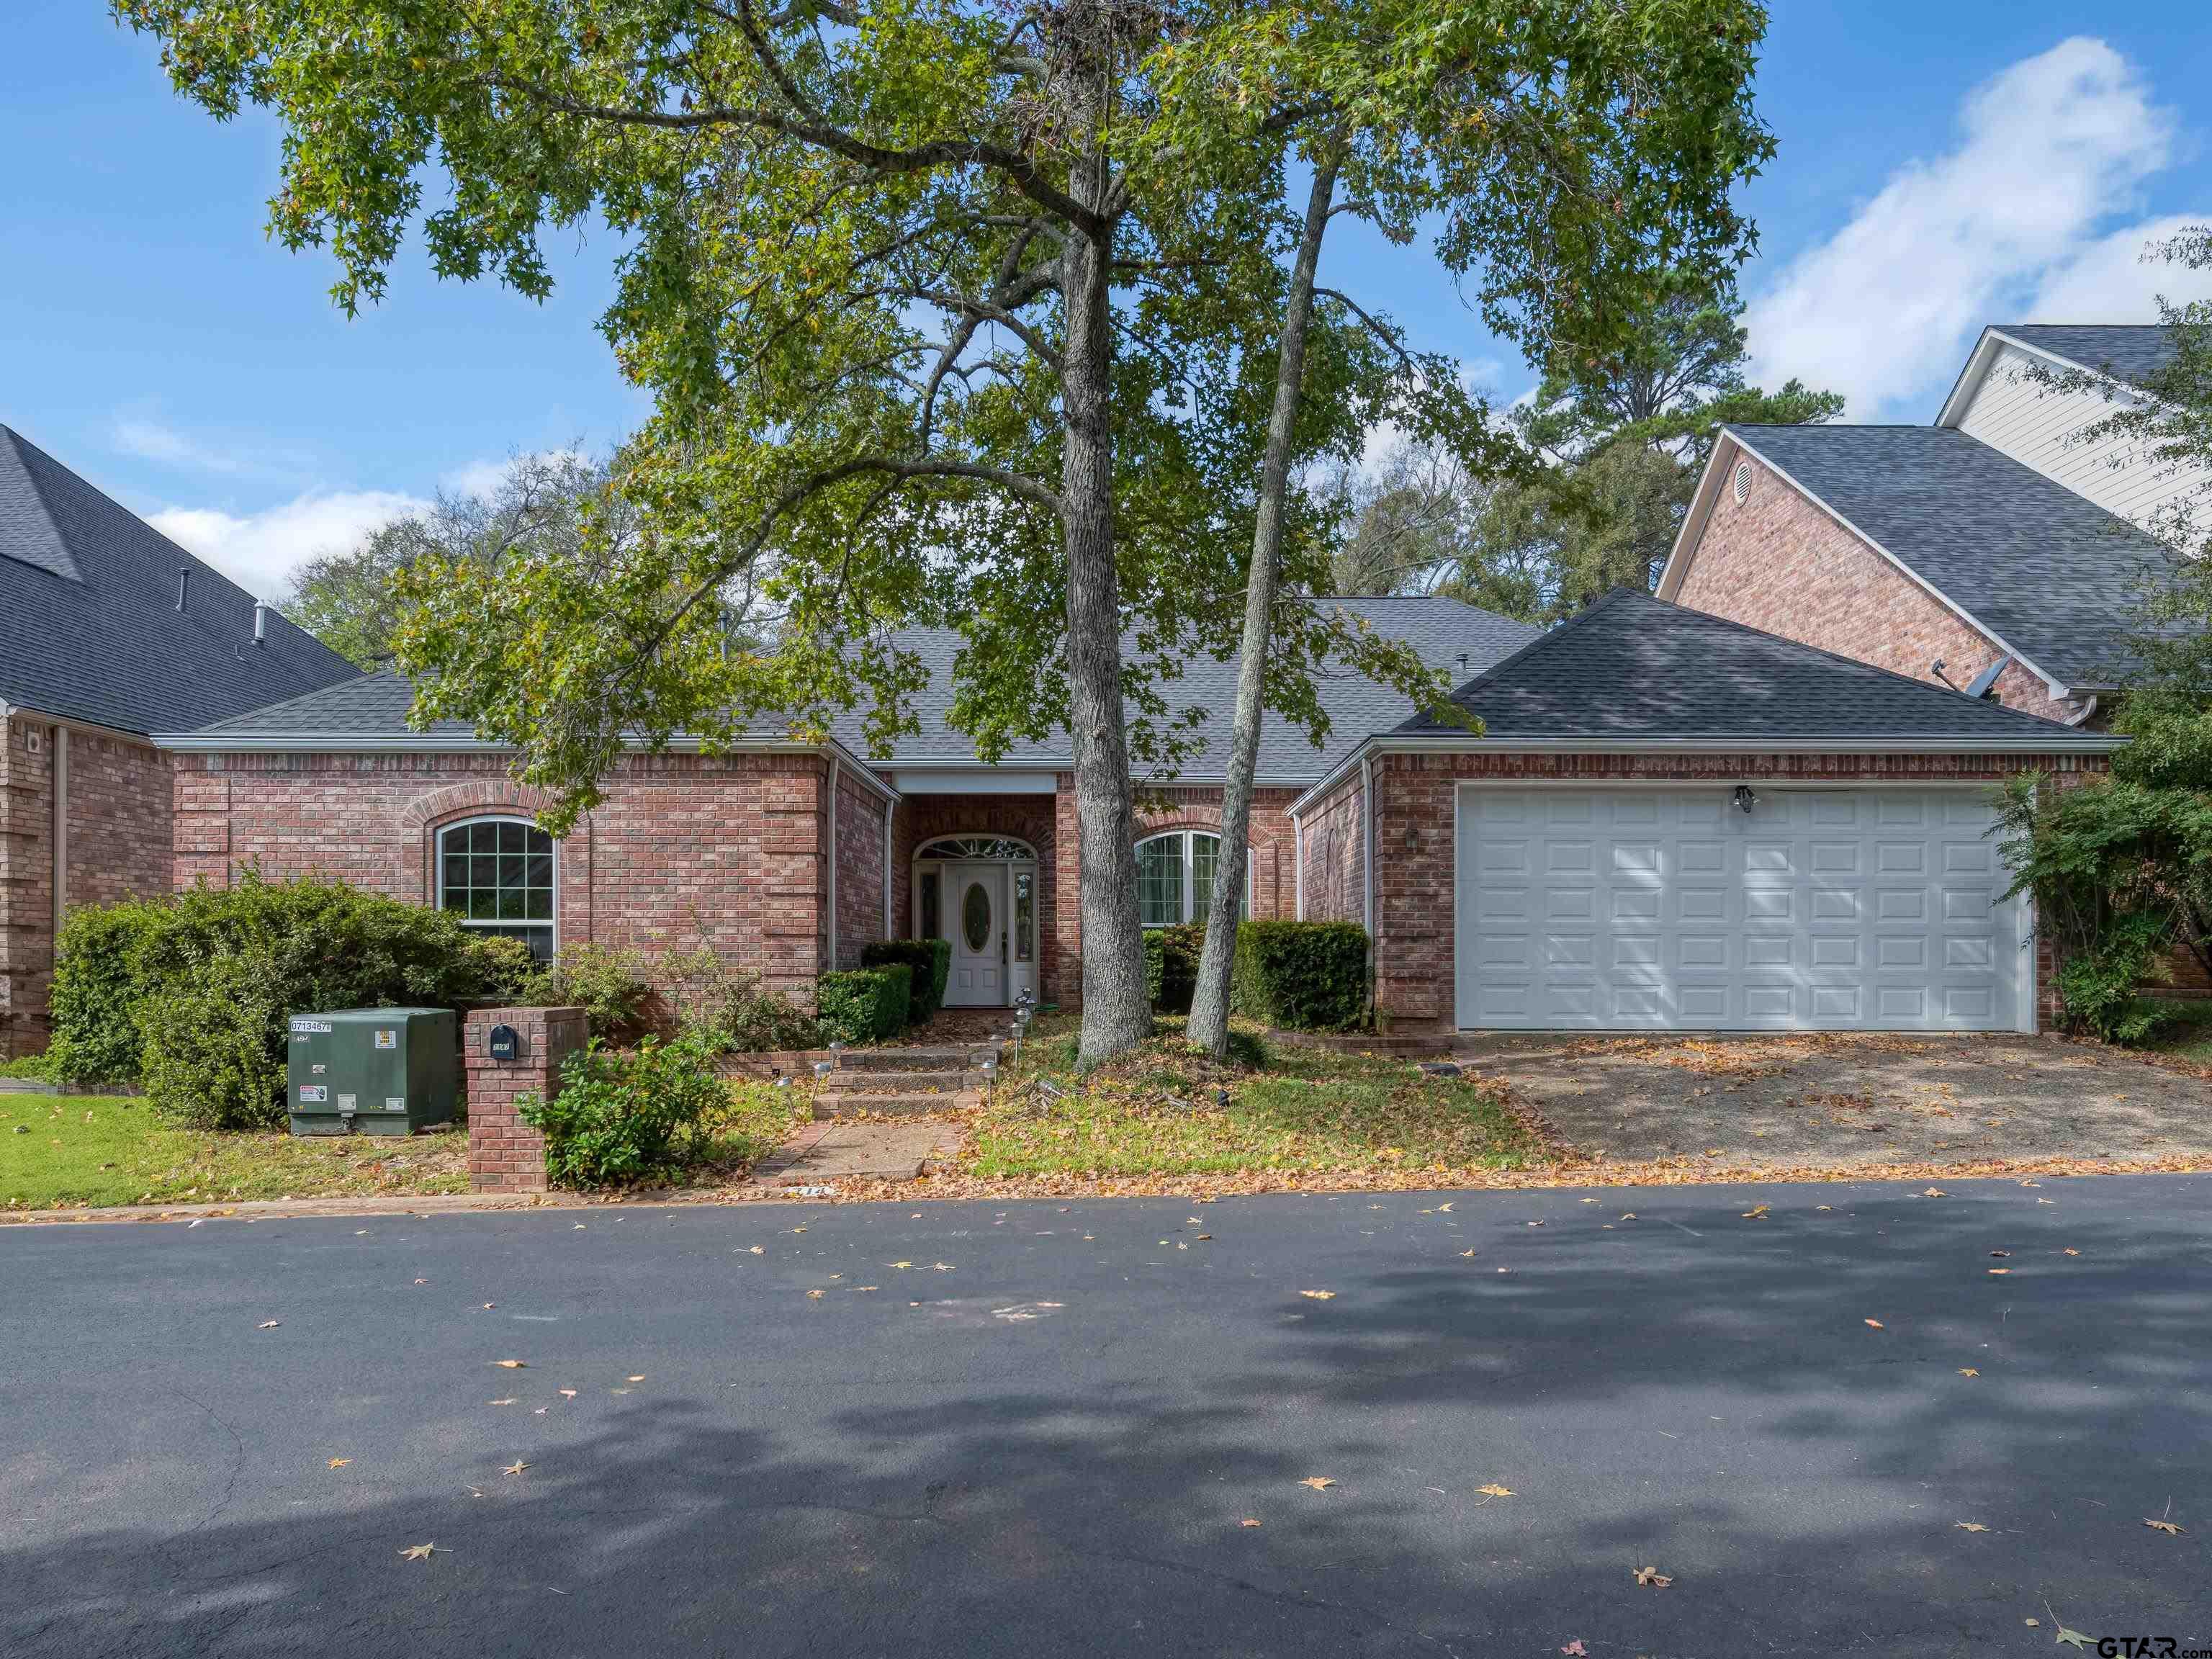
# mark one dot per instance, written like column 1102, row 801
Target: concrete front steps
column 902, row 1082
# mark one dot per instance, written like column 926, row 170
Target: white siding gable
column 2034, row 425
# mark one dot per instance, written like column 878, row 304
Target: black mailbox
column 505, row 1044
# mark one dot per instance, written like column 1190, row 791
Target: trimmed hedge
column 621, row 1116
column 865, row 1005
column 1300, row 975
column 1171, row 966
column 192, row 995
column 931, row 961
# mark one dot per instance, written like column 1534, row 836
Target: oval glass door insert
column 975, row 917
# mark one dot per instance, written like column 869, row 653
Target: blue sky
column 1942, row 164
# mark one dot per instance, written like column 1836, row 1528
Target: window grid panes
column 496, row 874
column 1175, row 877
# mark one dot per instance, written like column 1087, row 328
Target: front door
column 976, row 922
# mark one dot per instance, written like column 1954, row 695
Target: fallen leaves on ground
column 1318, row 1482
column 641, row 1379
column 2000, row 1272
column 1968, row 1371
column 2073, row 1639
column 1876, row 1324
column 1494, row 1490
column 419, row 1552
column 515, row 1468
column 1249, row 1520
column 268, row 1325
column 1970, row 1526
column 1756, row 1212
column 568, row 1394
column 814, row 1295
column 2069, row 1250
column 1575, row 1649
column 512, row 1364
column 340, row 1462
column 1652, row 1578
column 1319, row 1296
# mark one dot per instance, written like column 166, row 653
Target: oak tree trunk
column 1117, row 1012
column 1208, row 1028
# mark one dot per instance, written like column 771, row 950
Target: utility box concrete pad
column 374, row 1071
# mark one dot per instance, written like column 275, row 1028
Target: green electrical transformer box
column 378, row 1071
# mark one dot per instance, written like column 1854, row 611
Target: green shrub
column 1171, row 966
column 866, row 1004
column 2099, row 987
column 619, row 1116
column 97, row 989
column 931, row 961
column 1300, row 975
column 221, row 970
column 614, row 987
column 38, row 1067
column 727, row 1008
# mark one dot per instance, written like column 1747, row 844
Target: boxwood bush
column 1300, row 975
column 1171, row 966
column 931, row 961
column 620, row 1116
column 190, row 995
column 864, row 1005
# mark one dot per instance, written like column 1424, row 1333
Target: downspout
column 1297, row 867
column 832, row 968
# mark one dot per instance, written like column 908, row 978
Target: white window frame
column 552, row 924
column 1189, row 873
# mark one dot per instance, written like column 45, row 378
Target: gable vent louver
column 1741, row 486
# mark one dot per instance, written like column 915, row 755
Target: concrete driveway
column 1838, row 1101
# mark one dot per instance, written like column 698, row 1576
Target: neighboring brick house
column 108, row 632
column 1997, row 550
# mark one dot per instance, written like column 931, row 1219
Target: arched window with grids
column 496, row 874
column 1175, row 877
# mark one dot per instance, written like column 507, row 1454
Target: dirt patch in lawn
column 1851, row 1103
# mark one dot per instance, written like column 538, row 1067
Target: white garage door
column 1629, row 908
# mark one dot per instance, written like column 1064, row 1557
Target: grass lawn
column 1160, row 1111
column 98, row 1150
column 2191, row 1037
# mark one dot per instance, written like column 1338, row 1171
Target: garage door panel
column 1671, row 909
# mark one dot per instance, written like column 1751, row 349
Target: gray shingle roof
column 2050, row 572
column 1632, row 667
column 89, row 628
column 1440, row 629
column 2131, row 352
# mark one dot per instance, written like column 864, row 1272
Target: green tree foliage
column 350, row 599
column 1625, row 432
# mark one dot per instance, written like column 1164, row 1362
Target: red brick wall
column 1414, row 828
column 1780, row 564
column 727, row 850
column 1334, row 853
column 27, row 885
column 504, row 1153
column 859, row 866
column 117, row 848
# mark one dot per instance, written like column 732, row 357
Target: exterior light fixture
column 821, row 1070
column 1745, row 797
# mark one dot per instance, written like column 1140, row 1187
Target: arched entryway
column 979, row 894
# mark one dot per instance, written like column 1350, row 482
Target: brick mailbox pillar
column 504, row 1153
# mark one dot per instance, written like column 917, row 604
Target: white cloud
column 259, row 550
column 481, row 477
column 2051, row 150
column 151, row 441
column 2110, row 281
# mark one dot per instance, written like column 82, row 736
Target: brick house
column 1994, row 551
column 109, row 632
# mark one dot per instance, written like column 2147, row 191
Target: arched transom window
column 1175, row 877
column 496, row 874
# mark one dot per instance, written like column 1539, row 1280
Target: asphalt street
column 1039, row 1429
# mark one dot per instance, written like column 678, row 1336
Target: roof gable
column 90, row 627
column 1633, row 669
column 2048, row 574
